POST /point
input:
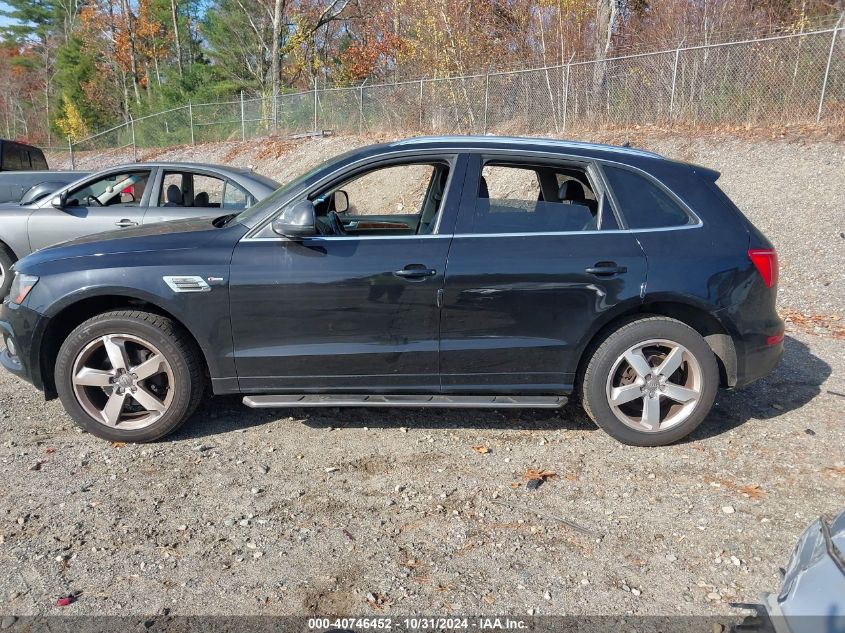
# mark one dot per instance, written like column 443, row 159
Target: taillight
column 766, row 262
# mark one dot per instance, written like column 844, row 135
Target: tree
column 70, row 123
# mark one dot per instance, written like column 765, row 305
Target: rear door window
column 235, row 198
column 643, row 203
column 528, row 198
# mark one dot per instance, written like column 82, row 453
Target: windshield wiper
column 224, row 220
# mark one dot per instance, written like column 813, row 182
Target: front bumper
column 20, row 325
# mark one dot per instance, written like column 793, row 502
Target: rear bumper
column 757, row 361
column 18, row 326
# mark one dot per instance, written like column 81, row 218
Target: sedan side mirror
column 58, row 202
column 341, row 201
column 297, row 220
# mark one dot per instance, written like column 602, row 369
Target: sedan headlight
column 22, row 284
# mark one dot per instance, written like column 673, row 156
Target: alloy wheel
column 123, row 381
column 655, row 385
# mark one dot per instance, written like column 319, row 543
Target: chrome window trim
column 684, row 227
column 552, row 155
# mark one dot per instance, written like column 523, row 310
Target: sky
column 4, row 21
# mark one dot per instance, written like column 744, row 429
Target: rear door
column 106, row 202
column 536, row 263
column 185, row 193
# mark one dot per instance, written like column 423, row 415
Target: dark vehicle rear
column 16, row 156
column 23, row 167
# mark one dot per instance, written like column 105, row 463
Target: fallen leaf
column 538, row 474
column 482, row 450
column 515, row 485
column 118, row 444
column 570, row 477
column 839, row 470
column 50, row 451
column 754, row 491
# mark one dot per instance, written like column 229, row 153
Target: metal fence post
column 316, row 104
column 486, row 99
column 275, row 112
column 70, row 151
column 566, row 91
column 674, row 81
column 243, row 118
column 361, row 109
column 421, row 105
column 191, row 120
column 827, row 68
column 134, row 146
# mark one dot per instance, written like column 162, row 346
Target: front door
column 355, row 309
column 104, row 203
column 536, row 262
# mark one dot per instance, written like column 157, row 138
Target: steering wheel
column 335, row 223
column 92, row 201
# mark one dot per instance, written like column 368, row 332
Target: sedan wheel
column 124, row 381
column 5, row 272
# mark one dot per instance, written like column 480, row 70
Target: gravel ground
column 323, row 512
column 256, row 512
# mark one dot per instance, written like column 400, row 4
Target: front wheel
column 650, row 382
column 129, row 376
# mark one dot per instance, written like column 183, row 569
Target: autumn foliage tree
column 112, row 59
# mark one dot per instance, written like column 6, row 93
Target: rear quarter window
column 644, row 205
column 38, row 160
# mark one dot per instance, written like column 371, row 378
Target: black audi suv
column 429, row 272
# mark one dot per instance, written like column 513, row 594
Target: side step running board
column 459, row 402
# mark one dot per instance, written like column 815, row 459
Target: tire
column 153, row 385
column 625, row 398
column 6, row 261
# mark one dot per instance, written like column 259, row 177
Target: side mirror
column 58, row 202
column 341, row 201
column 297, row 220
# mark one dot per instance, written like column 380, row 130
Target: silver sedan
column 123, row 197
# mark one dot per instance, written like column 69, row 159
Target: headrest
column 174, row 194
column 571, row 191
column 201, row 199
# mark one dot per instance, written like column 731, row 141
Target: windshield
column 259, row 209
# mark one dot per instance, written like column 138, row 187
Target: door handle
column 415, row 271
column 125, row 222
column 606, row 269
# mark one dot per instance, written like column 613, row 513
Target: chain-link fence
column 792, row 78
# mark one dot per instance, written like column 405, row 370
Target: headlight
column 22, row 284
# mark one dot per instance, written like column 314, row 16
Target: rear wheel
column 6, row 262
column 129, row 376
column 650, row 382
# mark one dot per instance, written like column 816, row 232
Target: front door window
column 123, row 188
column 395, row 200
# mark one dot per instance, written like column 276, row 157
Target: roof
column 235, row 173
column 503, row 142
